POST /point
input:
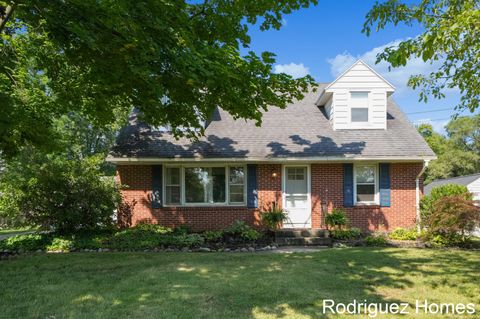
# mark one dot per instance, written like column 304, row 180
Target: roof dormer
column 357, row 99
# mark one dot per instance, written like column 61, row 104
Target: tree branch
column 8, row 13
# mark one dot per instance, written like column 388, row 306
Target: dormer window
column 359, row 107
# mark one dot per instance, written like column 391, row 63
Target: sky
column 326, row 39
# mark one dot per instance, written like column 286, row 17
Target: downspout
column 417, row 194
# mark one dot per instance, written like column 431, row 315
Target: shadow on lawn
column 233, row 285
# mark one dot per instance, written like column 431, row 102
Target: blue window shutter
column 385, row 184
column 347, row 185
column 252, row 192
column 157, row 180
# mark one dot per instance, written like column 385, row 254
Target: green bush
column 182, row 230
column 344, row 234
column 428, row 201
column 242, row 230
column 403, row 234
column 336, row 219
column 183, row 240
column 378, row 239
column 273, row 218
column 154, row 228
column 134, row 239
column 59, row 193
column 60, row 244
column 29, row 242
column 213, row 235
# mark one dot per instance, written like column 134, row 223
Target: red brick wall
column 327, row 193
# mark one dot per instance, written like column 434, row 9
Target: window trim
column 369, row 108
column 376, row 201
column 227, row 202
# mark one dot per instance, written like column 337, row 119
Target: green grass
column 224, row 285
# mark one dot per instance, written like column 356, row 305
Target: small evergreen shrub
column 182, row 230
column 182, row 240
column 403, row 234
column 336, row 219
column 213, row 235
column 345, row 234
column 376, row 239
column 241, row 230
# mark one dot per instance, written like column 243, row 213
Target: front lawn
column 231, row 285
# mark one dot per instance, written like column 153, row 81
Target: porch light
column 274, row 174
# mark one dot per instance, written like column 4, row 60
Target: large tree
column 457, row 150
column 451, row 29
column 175, row 60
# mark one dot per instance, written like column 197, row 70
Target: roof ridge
column 456, row 177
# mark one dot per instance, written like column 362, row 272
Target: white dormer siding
column 357, row 89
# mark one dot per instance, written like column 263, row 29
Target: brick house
column 346, row 145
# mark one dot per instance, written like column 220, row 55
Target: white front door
column 296, row 197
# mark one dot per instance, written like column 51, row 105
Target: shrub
column 213, row 236
column 154, row 228
column 60, row 244
column 134, row 239
column 403, row 234
column 182, row 230
column 377, row 239
column 273, row 218
column 241, row 230
column 336, row 219
column 182, row 240
column 428, row 201
column 453, row 218
column 29, row 242
column 344, row 234
column 59, row 193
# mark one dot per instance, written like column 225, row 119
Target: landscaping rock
column 251, row 249
column 204, row 249
column 244, row 250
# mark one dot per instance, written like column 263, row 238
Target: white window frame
column 376, row 180
column 369, row 107
column 227, row 185
column 164, row 184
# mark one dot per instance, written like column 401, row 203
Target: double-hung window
column 359, row 107
column 366, row 184
column 203, row 185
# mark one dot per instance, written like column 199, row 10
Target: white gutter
column 417, row 194
column 153, row 160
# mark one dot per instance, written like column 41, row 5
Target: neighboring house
column 347, row 146
column 472, row 182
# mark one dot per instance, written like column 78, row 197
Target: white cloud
column 397, row 76
column 293, row 69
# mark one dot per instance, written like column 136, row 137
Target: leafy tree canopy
column 451, row 32
column 175, row 60
column 458, row 151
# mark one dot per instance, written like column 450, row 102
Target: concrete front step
column 303, row 241
column 298, row 233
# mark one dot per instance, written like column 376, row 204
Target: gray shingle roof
column 302, row 130
column 461, row 180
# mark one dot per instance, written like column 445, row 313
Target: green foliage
column 182, row 230
column 213, row 235
column 427, row 203
column 376, row 240
column 242, row 230
column 345, row 234
column 273, row 217
column 60, row 244
column 175, row 60
column 458, row 152
column 336, row 219
column 57, row 193
column 450, row 35
column 453, row 218
column 25, row 243
column 182, row 240
column 403, row 234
